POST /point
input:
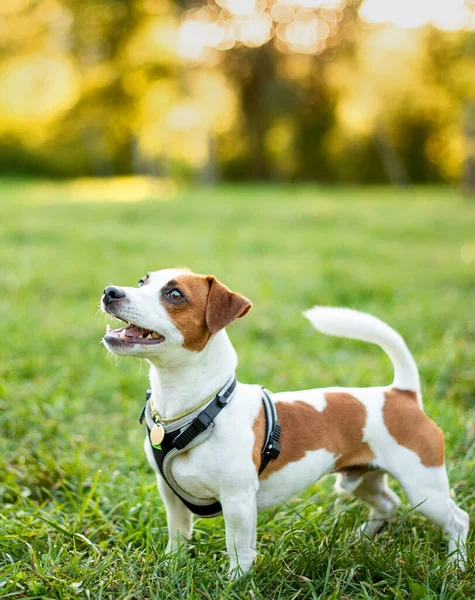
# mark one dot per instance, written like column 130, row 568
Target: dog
column 176, row 320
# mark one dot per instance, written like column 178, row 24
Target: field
column 80, row 515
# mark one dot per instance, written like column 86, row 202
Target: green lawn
column 80, row 515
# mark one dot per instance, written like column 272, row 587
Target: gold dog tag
column 157, row 434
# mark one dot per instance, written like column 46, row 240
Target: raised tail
column 344, row 322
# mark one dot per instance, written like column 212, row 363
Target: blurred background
column 370, row 91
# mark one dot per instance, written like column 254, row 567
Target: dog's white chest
column 194, row 476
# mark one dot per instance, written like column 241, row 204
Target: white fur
column 222, row 467
column 344, row 322
column 314, row 397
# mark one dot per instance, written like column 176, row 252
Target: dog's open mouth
column 132, row 334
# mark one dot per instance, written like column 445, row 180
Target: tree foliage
column 288, row 91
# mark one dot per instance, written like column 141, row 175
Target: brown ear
column 224, row 306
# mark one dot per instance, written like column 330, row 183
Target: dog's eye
column 142, row 281
column 175, row 295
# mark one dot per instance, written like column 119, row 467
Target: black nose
column 111, row 294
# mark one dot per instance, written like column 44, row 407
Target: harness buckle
column 200, row 424
column 203, row 421
column 148, row 395
column 221, row 400
column 273, row 450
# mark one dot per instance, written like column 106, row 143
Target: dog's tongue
column 133, row 331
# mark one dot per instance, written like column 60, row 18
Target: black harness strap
column 271, row 449
column 204, row 419
column 180, row 438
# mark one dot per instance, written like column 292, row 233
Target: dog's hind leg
column 372, row 488
column 179, row 518
column 428, row 491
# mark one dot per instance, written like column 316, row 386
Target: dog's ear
column 224, row 306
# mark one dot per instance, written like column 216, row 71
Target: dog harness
column 194, row 428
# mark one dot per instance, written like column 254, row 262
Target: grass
column 80, row 515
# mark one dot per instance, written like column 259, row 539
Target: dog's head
column 170, row 309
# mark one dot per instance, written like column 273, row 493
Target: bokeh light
column 36, row 88
column 301, row 26
column 450, row 15
column 160, row 87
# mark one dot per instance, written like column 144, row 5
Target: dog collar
column 224, row 395
column 156, row 416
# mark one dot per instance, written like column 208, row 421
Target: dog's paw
column 371, row 528
column 238, row 570
column 175, row 545
column 172, row 548
column 458, row 559
column 237, row 573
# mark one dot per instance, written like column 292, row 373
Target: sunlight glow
column 241, row 7
column 195, row 36
column 253, row 31
column 317, row 3
column 111, row 189
column 36, row 88
column 305, row 34
column 450, row 15
column 300, row 26
column 13, row 6
column 282, row 13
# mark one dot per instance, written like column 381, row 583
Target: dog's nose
column 111, row 294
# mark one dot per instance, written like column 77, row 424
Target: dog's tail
column 344, row 322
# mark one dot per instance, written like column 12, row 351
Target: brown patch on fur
column 190, row 316
column 337, row 429
column 209, row 307
column 259, row 429
column 354, row 472
column 412, row 428
column 224, row 306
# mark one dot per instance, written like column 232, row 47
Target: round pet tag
column 157, row 434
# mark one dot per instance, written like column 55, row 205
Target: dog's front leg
column 179, row 518
column 240, row 517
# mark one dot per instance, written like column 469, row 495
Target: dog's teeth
column 108, row 328
column 149, row 336
column 156, row 335
column 122, row 334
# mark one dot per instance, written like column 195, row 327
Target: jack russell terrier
column 221, row 446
